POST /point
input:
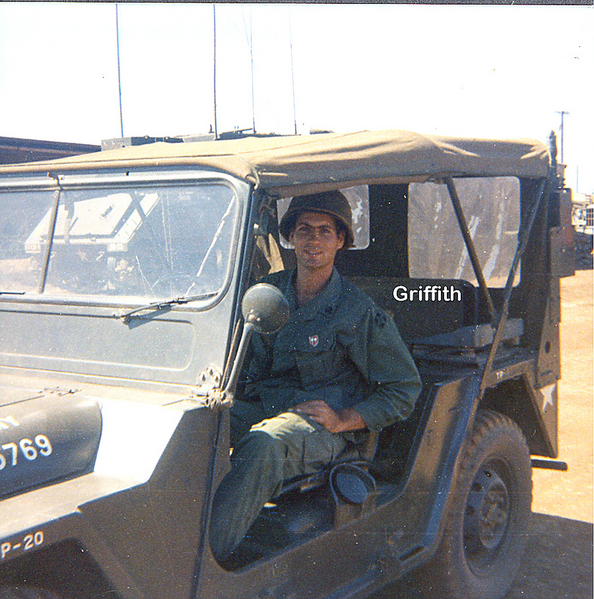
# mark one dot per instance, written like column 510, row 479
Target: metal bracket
column 218, row 399
column 208, row 379
column 210, row 390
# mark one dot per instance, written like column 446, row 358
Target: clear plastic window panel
column 21, row 261
column 491, row 208
column 149, row 243
column 358, row 198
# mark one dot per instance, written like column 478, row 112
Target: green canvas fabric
column 302, row 164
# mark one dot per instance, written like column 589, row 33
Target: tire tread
column 441, row 579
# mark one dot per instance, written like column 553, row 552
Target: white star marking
column 549, row 397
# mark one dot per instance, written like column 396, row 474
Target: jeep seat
column 417, row 317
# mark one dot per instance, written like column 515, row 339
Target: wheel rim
column 487, row 516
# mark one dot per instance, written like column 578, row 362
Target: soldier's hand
column 335, row 422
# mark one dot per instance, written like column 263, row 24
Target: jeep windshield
column 138, row 244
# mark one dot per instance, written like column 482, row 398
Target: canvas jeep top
column 124, row 318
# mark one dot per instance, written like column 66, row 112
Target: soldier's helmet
column 333, row 203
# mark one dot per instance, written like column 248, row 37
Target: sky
column 475, row 71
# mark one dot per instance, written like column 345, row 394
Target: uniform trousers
column 265, row 453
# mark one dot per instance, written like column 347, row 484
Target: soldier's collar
column 323, row 305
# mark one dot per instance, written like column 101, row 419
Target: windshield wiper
column 12, row 293
column 176, row 301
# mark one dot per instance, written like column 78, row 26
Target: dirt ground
column 558, row 562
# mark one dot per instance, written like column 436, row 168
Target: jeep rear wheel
column 487, row 525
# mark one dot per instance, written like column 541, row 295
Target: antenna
column 251, row 48
column 252, row 74
column 562, row 113
column 117, row 20
column 214, row 83
column 292, row 71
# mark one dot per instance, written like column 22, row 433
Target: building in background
column 15, row 150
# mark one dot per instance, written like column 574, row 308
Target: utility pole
column 562, row 113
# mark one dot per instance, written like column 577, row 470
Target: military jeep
column 129, row 292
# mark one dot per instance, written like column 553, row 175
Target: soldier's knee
column 260, row 445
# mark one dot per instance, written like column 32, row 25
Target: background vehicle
column 583, row 222
column 122, row 275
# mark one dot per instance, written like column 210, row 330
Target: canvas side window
column 436, row 248
column 358, row 197
column 21, row 259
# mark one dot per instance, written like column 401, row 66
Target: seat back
column 424, row 307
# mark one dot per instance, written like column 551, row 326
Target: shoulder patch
column 380, row 319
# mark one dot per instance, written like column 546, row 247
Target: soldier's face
column 316, row 240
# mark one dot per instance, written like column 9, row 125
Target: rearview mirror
column 265, row 307
column 265, row 310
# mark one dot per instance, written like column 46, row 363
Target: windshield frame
column 115, row 182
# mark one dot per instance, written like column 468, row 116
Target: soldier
column 337, row 370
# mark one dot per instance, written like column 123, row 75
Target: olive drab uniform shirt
column 340, row 348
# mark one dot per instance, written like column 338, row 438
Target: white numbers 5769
column 27, row 448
